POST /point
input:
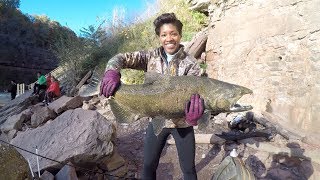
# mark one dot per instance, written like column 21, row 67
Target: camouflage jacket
column 155, row 61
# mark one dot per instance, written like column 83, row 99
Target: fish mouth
column 236, row 107
column 240, row 108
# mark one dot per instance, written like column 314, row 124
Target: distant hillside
column 27, row 45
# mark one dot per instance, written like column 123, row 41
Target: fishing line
column 80, row 168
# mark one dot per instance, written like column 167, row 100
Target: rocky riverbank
column 83, row 132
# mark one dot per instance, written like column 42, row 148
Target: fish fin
column 122, row 114
column 158, row 124
column 203, row 122
column 151, row 78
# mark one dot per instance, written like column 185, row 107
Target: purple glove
column 110, row 83
column 194, row 109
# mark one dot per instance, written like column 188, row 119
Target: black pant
column 13, row 95
column 38, row 87
column 153, row 145
column 49, row 96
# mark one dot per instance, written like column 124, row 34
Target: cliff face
column 20, row 62
column 26, row 45
column 272, row 47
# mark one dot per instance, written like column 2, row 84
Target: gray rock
column 12, row 134
column 65, row 103
column 198, row 44
column 112, row 162
column 42, row 116
column 81, row 135
column 47, row 176
column 17, row 105
column 15, row 121
column 67, row 173
column 276, row 60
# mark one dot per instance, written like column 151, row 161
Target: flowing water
column 4, row 98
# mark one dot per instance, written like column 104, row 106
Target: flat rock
column 15, row 121
column 81, row 135
column 65, row 103
column 17, row 105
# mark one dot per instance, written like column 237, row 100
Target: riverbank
column 4, row 98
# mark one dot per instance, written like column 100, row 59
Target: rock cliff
column 27, row 45
column 272, row 47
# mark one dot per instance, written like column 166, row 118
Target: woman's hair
column 167, row 18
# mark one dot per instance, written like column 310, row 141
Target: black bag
column 233, row 168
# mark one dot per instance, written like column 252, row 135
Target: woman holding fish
column 169, row 59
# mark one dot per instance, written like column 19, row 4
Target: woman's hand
column 194, row 109
column 110, row 83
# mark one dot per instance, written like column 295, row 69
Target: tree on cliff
column 10, row 3
column 27, row 43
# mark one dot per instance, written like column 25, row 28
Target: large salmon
column 165, row 96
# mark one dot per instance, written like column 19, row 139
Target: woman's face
column 169, row 38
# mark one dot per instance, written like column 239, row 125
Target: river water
column 4, row 98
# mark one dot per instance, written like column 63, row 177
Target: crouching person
column 53, row 91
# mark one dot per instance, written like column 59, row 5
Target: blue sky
column 77, row 14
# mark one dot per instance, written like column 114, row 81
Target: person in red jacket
column 48, row 78
column 52, row 91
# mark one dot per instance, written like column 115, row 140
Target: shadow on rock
column 289, row 166
column 293, row 165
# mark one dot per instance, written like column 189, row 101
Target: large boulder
column 273, row 48
column 65, row 103
column 12, row 164
column 42, row 116
column 17, row 105
column 83, row 136
column 15, row 121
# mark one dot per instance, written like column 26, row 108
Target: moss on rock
column 12, row 165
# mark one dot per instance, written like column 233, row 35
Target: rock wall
column 272, row 47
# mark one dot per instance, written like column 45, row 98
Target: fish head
column 225, row 99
